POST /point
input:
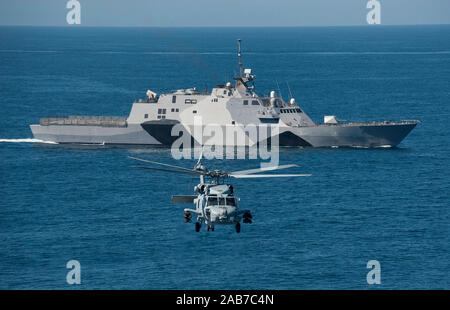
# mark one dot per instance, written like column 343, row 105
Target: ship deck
column 375, row 123
column 104, row 121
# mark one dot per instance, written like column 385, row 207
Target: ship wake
column 28, row 140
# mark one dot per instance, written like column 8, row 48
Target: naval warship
column 234, row 107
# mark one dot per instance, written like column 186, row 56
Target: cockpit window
column 212, row 201
column 220, row 201
column 231, row 202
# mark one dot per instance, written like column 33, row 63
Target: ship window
column 221, row 201
column 245, row 102
column 174, row 99
column 255, row 102
column 299, row 110
column 194, row 101
column 145, row 115
column 163, row 116
column 232, row 123
column 195, row 111
column 172, row 110
column 177, row 110
column 159, row 116
column 225, row 92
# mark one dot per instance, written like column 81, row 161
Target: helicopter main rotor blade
column 184, row 198
column 197, row 173
column 157, row 163
column 200, row 157
column 250, row 176
column 257, row 170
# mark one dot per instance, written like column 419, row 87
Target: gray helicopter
column 214, row 200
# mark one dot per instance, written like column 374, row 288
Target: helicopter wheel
column 238, row 227
column 187, row 217
column 212, row 227
column 208, row 227
column 197, row 226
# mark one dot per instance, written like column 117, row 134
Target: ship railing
column 372, row 123
column 104, row 121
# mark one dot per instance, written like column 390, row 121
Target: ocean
column 66, row 202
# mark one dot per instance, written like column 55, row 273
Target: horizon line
column 260, row 26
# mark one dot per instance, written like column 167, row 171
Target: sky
column 223, row 13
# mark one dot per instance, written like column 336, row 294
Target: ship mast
column 240, row 58
column 245, row 76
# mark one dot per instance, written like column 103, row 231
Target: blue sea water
column 62, row 202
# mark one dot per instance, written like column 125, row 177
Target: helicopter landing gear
column 210, row 227
column 187, row 217
column 238, row 227
column 197, row 226
column 247, row 218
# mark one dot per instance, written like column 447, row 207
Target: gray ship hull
column 355, row 135
column 365, row 135
column 131, row 134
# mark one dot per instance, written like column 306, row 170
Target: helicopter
column 214, row 200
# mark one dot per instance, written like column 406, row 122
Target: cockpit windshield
column 214, row 201
column 231, row 202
